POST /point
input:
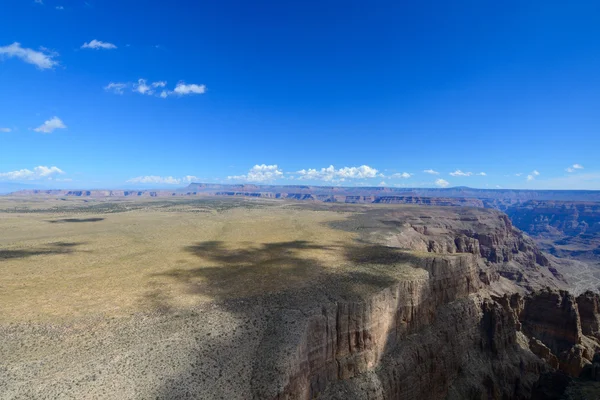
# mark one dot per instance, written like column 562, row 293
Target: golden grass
column 114, row 264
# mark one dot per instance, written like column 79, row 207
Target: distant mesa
column 456, row 196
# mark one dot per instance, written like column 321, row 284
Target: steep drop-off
column 479, row 326
column 421, row 303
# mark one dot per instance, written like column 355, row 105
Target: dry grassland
column 59, row 260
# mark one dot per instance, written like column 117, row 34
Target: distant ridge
column 454, row 192
column 455, row 196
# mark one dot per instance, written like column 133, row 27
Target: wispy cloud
column 404, row 175
column 458, row 172
column 331, row 174
column 162, row 180
column 97, row 45
column 533, row 175
column 41, row 172
column 574, row 168
column 260, row 173
column 155, row 179
column 50, row 125
column 184, row 89
column 116, row 87
column 143, row 87
column 59, row 7
column 442, row 183
column 5, row 130
column 43, row 59
column 431, row 172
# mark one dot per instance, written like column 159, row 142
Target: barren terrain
column 265, row 299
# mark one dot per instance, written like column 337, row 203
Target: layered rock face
column 350, row 338
column 552, row 320
column 557, row 217
column 563, row 228
column 450, row 335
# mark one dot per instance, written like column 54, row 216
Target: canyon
column 294, row 300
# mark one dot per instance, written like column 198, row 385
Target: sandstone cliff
column 451, row 335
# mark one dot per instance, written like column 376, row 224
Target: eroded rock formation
column 450, row 335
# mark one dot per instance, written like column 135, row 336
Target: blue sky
column 99, row 94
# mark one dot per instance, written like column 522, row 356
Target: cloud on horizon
column 162, row 180
column 260, row 173
column 574, row 168
column 331, row 174
column 442, row 183
column 532, row 176
column 404, row 175
column 40, row 172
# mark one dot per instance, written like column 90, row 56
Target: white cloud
column 183, row 89
column 260, row 173
column 59, row 7
column 50, row 125
column 481, row 174
column 532, row 175
column 43, row 171
column 42, row 59
column 519, row 174
column 5, row 130
column 97, row 44
column 40, row 172
column 382, row 183
column 442, row 183
column 163, row 180
column 404, row 175
column 38, row 2
column 574, row 167
column 431, row 171
column 458, row 172
column 362, row 172
column 169, row 180
column 142, row 88
column 331, row 174
column 190, row 178
column 115, row 87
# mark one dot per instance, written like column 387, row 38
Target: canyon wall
column 471, row 328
